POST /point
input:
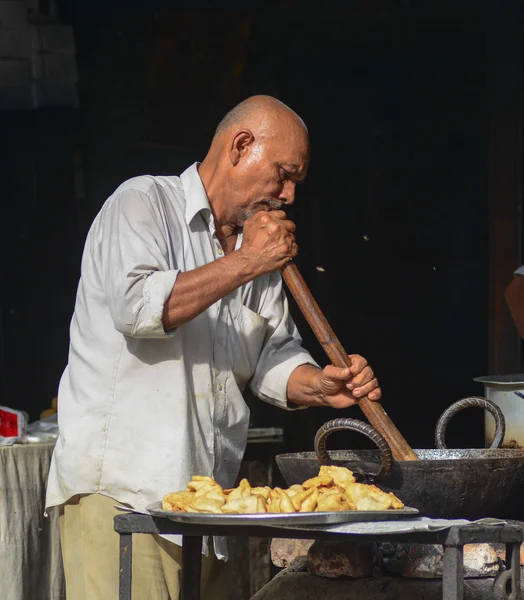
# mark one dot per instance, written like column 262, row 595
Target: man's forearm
column 195, row 291
column 303, row 387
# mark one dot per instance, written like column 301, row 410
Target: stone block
column 426, row 561
column 500, row 549
column 341, row 559
column 285, row 552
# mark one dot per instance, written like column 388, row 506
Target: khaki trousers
column 90, row 550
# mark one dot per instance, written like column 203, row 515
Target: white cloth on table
column 141, row 410
column 419, row 524
column 30, row 558
column 415, row 525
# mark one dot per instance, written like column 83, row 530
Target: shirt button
column 219, row 387
column 220, row 251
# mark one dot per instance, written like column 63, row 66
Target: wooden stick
column 376, row 415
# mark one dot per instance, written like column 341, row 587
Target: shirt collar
column 196, row 197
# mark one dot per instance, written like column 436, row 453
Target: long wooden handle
column 376, row 415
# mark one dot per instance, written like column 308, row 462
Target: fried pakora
column 333, row 489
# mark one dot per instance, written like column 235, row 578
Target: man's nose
column 287, row 195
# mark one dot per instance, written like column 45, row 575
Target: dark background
column 395, row 206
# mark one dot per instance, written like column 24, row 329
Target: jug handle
column 471, row 401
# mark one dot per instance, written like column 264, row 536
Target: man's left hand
column 341, row 388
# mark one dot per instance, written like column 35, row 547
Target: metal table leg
column 453, row 576
column 513, row 563
column 126, row 565
column 507, row 584
column 191, row 567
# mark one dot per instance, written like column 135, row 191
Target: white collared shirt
column 141, row 410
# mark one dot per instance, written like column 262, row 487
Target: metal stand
column 453, row 573
column 506, row 585
column 191, row 567
column 126, row 565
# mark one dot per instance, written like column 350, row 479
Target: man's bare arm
column 195, row 291
column 268, row 244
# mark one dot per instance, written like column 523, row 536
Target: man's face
column 268, row 172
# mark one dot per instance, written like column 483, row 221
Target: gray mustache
column 274, row 204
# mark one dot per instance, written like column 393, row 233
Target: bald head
column 259, row 152
column 259, row 110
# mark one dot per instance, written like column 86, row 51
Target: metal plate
column 309, row 518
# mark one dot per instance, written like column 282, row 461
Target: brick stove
column 339, row 570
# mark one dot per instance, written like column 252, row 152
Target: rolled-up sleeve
column 132, row 252
column 282, row 352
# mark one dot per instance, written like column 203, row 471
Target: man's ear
column 240, row 145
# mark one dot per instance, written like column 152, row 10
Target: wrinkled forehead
column 288, row 146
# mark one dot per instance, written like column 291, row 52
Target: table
column 30, row 557
column 452, row 539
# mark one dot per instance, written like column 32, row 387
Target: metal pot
column 470, row 484
column 507, row 392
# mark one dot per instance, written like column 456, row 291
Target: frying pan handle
column 478, row 401
column 360, row 427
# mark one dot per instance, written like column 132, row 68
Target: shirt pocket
column 249, row 334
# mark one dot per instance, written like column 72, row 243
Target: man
column 180, row 306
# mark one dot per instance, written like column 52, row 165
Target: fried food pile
column 334, row 489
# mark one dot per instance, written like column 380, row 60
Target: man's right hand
column 268, row 243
